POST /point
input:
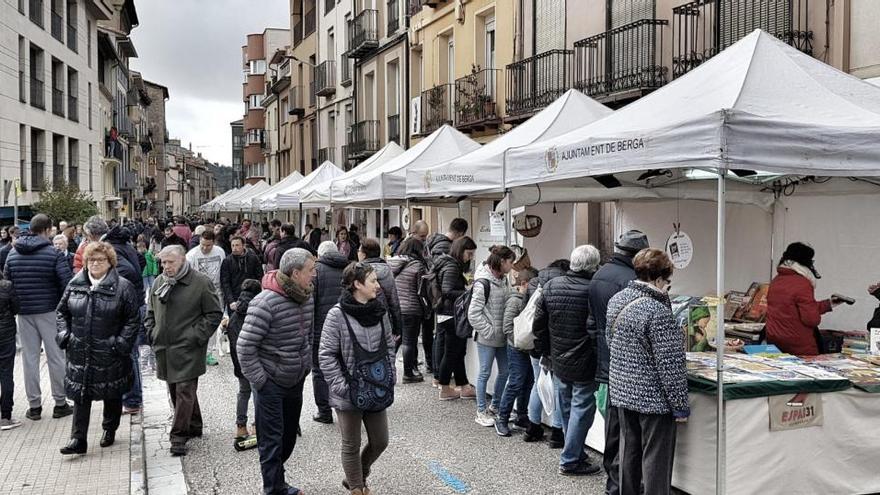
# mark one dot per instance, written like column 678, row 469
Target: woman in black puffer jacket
column 450, row 269
column 97, row 321
column 408, row 267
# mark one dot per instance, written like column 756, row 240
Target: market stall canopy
column 258, row 200
column 221, row 205
column 318, row 194
column 289, row 197
column 211, row 204
column 233, row 203
column 759, row 105
column 481, row 171
column 388, row 182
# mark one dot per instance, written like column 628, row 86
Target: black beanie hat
column 801, row 254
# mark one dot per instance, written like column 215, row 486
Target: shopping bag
column 602, row 398
column 523, row 336
column 546, row 391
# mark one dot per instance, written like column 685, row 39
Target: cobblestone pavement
column 31, row 464
column 435, row 447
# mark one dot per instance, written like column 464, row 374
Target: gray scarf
column 168, row 283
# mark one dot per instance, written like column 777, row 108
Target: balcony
column 475, row 106
column 347, row 69
column 38, row 93
column 72, row 108
column 71, row 37
column 363, row 34
column 327, row 155
column 58, row 102
column 623, row 63
column 297, row 108
column 702, row 28
column 537, row 81
column 436, row 108
column 394, row 128
column 35, row 12
column 57, row 26
column 37, row 175
column 309, row 22
column 58, row 173
column 393, row 14
column 363, row 139
column 325, row 78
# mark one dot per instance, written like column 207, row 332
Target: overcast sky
column 193, row 47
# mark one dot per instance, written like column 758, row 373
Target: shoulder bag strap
column 616, row 318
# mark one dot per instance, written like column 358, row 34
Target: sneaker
column 211, row 360
column 131, row 410
column 62, row 411
column 448, row 393
column 502, row 428
column 492, row 411
column 413, row 378
column 468, row 392
column 327, row 419
column 34, row 413
column 9, row 423
column 582, row 469
column 484, row 419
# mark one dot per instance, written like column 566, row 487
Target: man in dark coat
column 328, row 288
column 239, row 266
column 39, row 275
column 183, row 312
column 439, row 244
column 128, row 261
column 288, row 241
column 561, row 326
column 613, row 277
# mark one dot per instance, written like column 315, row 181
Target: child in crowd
column 249, row 289
column 151, row 270
column 8, row 310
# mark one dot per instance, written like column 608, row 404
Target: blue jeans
column 148, row 283
column 488, row 354
column 519, row 385
column 536, row 409
column 578, row 405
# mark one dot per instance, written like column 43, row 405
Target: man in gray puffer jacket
column 274, row 350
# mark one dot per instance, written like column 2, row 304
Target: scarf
column 292, row 289
column 800, row 270
column 96, row 281
column 368, row 315
column 168, row 283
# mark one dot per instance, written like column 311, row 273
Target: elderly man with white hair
column 274, row 350
column 561, row 325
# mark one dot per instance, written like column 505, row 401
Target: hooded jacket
column 388, row 293
column 327, row 288
column 612, row 278
column 793, row 313
column 274, row 343
column 128, row 265
column 407, row 274
column 39, row 274
column 236, row 269
column 438, row 244
column 487, row 315
column 561, row 326
column 450, row 274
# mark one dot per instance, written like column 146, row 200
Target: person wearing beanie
column 793, row 314
column 612, row 278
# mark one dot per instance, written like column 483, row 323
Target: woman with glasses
column 97, row 320
column 647, row 375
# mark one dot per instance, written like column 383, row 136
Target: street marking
column 451, row 480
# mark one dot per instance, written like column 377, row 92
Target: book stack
column 750, row 333
column 855, row 342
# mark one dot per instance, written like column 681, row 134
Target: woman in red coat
column 793, row 313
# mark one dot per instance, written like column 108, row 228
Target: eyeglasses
column 97, row 261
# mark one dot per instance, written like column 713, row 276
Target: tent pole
column 382, row 223
column 721, row 451
column 507, row 218
column 302, row 224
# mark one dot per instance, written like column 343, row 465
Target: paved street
column 435, row 448
column 31, row 464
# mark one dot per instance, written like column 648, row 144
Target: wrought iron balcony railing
column 537, row 81
column 363, row 139
column 394, row 128
column 325, row 78
column 363, row 33
column 475, row 96
column 623, row 60
column 436, row 108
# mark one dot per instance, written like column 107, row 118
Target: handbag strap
column 617, row 318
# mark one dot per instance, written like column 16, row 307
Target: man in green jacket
column 183, row 312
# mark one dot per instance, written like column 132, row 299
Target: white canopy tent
column 760, row 105
column 289, row 197
column 243, row 201
column 319, row 194
column 258, row 199
column 481, row 171
column 210, row 205
column 224, row 204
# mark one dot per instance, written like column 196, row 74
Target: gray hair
column 95, row 227
column 327, row 247
column 585, row 258
column 175, row 249
column 294, row 259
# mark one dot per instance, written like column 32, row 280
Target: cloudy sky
column 193, row 47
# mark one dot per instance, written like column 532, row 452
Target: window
column 22, row 155
column 90, row 109
column 73, row 161
column 257, row 67
column 89, row 45
column 490, row 56
column 91, row 170
column 72, row 23
column 331, row 45
column 22, row 64
column 72, row 95
column 37, row 74
column 254, row 101
column 35, row 12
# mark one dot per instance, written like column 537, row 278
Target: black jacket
column 128, row 265
column 233, row 329
column 450, row 274
column 438, row 244
column 327, row 289
column 236, row 269
column 97, row 329
column 8, row 310
column 612, row 278
column 38, row 273
column 561, row 326
column 4, row 253
column 287, row 244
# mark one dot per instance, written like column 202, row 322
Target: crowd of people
column 341, row 310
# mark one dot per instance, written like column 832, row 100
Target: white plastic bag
column 523, row 336
column 546, row 391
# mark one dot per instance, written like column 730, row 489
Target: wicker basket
column 528, row 225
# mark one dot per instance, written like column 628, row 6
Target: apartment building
column 190, row 180
column 49, row 132
column 303, row 57
column 333, row 82
column 237, row 130
column 154, row 185
column 254, row 57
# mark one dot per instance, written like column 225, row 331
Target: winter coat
column 487, row 316
column 233, row 329
column 4, row 253
column 561, row 326
column 388, row 293
column 194, row 241
column 236, row 269
column 648, row 373
column 438, row 245
column 39, row 274
column 8, row 309
column 127, row 264
column 151, row 269
column 450, row 274
column 327, row 288
column 274, row 343
column 512, row 309
column 407, row 274
column 612, row 278
column 793, row 314
column 544, row 276
column 180, row 328
column 97, row 327
column 269, row 253
column 336, row 345
column 287, row 244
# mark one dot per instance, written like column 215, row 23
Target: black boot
column 108, row 438
column 557, row 438
column 75, row 446
column 534, row 433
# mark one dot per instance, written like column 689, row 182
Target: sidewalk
column 31, row 464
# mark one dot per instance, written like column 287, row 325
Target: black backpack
column 371, row 382
column 463, row 327
column 430, row 295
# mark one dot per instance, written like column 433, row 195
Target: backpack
column 523, row 333
column 430, row 295
column 463, row 327
column 371, row 382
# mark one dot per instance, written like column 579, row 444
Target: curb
column 137, row 484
